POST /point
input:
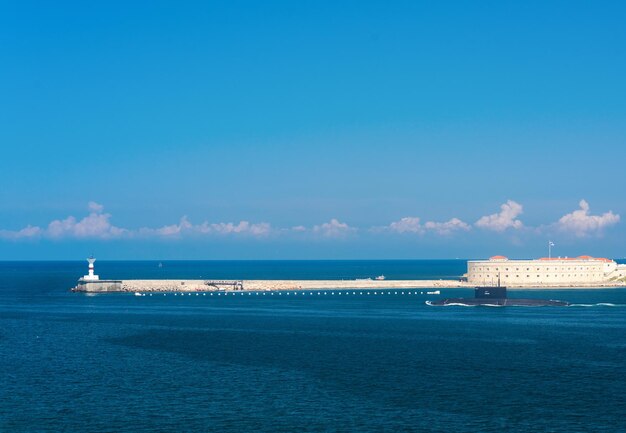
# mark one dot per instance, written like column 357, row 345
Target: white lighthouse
column 91, row 276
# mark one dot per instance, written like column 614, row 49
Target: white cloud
column 95, row 225
column 28, row 232
column 173, row 229
column 407, row 225
column 259, row 229
column 185, row 227
column 333, row 229
column 581, row 224
column 413, row 225
column 448, row 227
column 503, row 220
column 95, row 207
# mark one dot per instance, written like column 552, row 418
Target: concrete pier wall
column 98, row 286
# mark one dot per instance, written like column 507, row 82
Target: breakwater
column 187, row 285
column 258, row 285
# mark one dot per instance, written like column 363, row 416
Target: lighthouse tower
column 91, row 276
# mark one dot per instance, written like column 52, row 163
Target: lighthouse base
column 85, row 285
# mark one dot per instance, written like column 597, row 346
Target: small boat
column 434, row 292
column 138, row 294
column 380, row 277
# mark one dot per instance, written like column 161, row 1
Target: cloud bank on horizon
column 97, row 225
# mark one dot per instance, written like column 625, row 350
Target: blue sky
column 311, row 129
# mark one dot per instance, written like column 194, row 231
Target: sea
column 331, row 361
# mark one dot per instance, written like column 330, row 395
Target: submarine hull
column 499, row 302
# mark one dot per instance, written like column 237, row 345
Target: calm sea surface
column 335, row 361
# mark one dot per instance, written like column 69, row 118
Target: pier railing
column 232, row 284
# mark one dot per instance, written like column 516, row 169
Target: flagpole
column 550, row 249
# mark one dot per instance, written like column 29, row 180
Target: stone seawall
column 275, row 285
column 98, row 286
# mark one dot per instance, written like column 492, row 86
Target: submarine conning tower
column 490, row 293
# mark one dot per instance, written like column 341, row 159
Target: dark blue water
column 331, row 362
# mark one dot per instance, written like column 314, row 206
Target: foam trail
column 456, row 304
column 599, row 304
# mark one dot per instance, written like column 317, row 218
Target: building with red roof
column 544, row 272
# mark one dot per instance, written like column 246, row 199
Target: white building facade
column 543, row 272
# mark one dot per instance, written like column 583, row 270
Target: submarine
column 496, row 297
